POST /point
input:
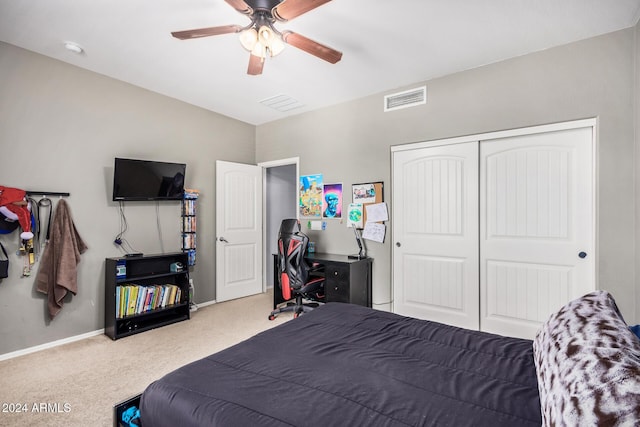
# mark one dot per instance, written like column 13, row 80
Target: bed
column 347, row 365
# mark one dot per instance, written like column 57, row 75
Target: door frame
column 266, row 257
column 582, row 123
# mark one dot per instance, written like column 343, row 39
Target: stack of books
column 188, row 241
column 189, row 207
column 189, row 224
column 132, row 299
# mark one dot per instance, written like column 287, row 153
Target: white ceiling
column 386, row 44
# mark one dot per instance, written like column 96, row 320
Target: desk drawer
column 336, row 285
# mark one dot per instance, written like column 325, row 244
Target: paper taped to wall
column 374, row 231
column 317, row 225
column 377, row 212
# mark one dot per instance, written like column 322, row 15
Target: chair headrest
column 289, row 226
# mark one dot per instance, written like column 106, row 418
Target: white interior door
column 435, row 228
column 536, row 227
column 238, row 230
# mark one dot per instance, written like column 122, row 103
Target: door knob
column 398, row 244
column 582, row 254
column 222, row 239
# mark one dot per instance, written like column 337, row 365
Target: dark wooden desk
column 346, row 279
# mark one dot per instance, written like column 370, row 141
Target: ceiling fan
column 260, row 37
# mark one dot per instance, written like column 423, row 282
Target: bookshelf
column 188, row 229
column 145, row 292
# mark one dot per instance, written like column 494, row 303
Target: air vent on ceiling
column 407, row 98
column 282, row 103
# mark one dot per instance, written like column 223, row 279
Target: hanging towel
column 58, row 273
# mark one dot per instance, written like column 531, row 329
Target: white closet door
column 536, row 227
column 435, row 229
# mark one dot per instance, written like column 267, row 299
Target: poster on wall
column 364, row 193
column 354, row 215
column 332, row 201
column 311, row 195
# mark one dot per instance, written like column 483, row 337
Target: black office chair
column 299, row 279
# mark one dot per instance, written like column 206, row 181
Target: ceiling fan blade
column 240, row 6
column 290, row 9
column 312, row 47
column 255, row 65
column 206, row 32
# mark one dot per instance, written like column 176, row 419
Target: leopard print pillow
column 588, row 365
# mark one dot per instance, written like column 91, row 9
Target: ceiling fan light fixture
column 259, row 50
column 262, row 42
column 249, row 38
column 276, row 46
column 271, row 40
column 265, row 34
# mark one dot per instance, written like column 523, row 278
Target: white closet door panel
column 525, row 291
column 527, row 192
column 435, row 262
column 536, row 217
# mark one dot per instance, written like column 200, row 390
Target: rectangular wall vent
column 282, row 103
column 407, row 98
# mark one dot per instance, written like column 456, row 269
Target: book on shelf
column 132, row 299
column 191, row 194
column 191, row 253
column 118, row 301
column 188, row 241
column 189, row 207
column 189, row 224
column 131, row 306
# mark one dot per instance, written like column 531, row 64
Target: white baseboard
column 384, row 306
column 51, row 344
column 204, row 304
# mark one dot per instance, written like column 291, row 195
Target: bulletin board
column 367, row 193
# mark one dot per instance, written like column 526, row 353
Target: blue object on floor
column 636, row 330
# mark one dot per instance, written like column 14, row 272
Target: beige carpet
column 77, row 384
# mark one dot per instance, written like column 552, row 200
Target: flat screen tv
column 147, row 180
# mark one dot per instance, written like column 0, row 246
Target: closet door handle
column 222, row 239
column 398, row 244
column 582, row 254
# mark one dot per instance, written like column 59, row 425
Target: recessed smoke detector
column 73, row 47
column 405, row 99
column 282, row 103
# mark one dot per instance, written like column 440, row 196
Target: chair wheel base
column 298, row 308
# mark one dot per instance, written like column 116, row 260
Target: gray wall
column 350, row 142
column 60, row 128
